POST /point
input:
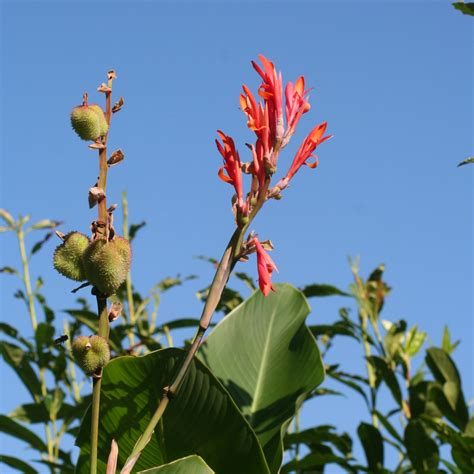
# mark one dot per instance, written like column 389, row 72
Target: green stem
column 102, row 309
column 97, row 382
column 224, row 269
column 26, row 279
column 370, row 370
column 34, row 323
column 128, row 282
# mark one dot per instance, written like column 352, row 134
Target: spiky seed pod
column 103, row 125
column 106, row 264
column 91, row 353
column 89, row 122
column 67, row 258
column 124, row 249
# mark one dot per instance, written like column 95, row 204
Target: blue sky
column 393, row 80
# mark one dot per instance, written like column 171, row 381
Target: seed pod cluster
column 106, row 263
column 103, row 263
column 89, row 122
column 91, row 353
column 68, row 256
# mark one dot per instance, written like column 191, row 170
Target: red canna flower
column 265, row 266
column 271, row 91
column 296, row 105
column 304, row 152
column 232, row 165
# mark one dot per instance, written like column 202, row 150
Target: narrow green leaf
column 134, row 228
column 322, row 290
column 18, row 464
column 45, row 224
column 13, row 428
column 18, row 360
column 275, row 364
column 7, row 217
column 9, row 271
column 388, row 376
column 467, row 9
column 372, row 442
column 188, row 465
column 388, row 426
column 38, row 245
column 422, row 450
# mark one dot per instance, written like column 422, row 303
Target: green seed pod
column 106, row 264
column 103, row 125
column 68, row 256
column 91, row 353
column 89, row 122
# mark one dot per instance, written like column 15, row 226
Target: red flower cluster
column 265, row 119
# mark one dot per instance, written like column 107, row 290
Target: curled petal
column 223, row 176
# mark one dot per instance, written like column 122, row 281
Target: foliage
column 241, row 404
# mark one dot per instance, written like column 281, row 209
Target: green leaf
column 467, row 9
column 442, row 366
column 188, row 465
column 446, row 343
column 230, row 299
column 388, row 376
column 448, row 395
column 420, row 400
column 45, row 224
column 9, row 271
column 421, row 449
column 133, row 230
column 13, row 428
column 321, row 290
column 372, row 443
column 247, row 279
column 13, row 332
column 320, row 434
column 38, row 245
column 315, row 462
column 202, row 418
column 7, row 217
column 18, row 464
column 415, row 339
column 388, row 426
column 274, row 365
column 18, row 360
column 462, row 447
column 393, row 338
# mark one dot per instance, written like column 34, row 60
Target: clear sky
column 393, row 80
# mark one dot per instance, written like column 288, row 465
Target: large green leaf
column 188, row 465
column 202, row 419
column 268, row 360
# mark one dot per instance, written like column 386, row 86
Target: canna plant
column 106, row 259
column 234, row 402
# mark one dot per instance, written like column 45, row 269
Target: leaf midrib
column 261, row 370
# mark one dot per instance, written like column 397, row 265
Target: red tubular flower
column 265, row 266
column 296, row 105
column 271, row 90
column 305, row 151
column 232, row 165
